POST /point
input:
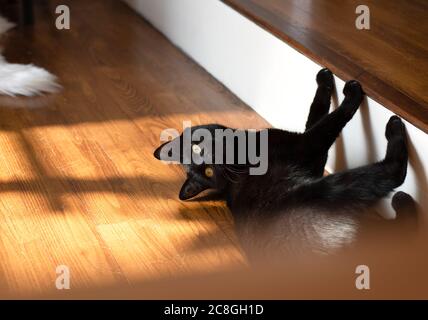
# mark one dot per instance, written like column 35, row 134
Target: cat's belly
column 297, row 232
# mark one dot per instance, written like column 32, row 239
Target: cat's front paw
column 395, row 128
column 325, row 78
column 353, row 89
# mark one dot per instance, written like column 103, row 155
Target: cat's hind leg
column 365, row 185
column 321, row 103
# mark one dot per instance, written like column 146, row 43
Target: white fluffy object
column 20, row 79
column 25, row 79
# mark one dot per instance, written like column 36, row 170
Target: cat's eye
column 209, row 172
column 196, row 149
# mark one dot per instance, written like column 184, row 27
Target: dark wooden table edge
column 375, row 88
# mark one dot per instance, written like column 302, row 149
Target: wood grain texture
column 390, row 59
column 79, row 185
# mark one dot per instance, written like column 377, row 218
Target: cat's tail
column 20, row 79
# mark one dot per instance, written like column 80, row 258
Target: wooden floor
column 79, row 184
column 390, row 59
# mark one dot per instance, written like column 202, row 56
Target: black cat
column 293, row 206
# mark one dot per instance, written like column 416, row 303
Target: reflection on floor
column 79, row 185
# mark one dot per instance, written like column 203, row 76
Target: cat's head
column 196, row 150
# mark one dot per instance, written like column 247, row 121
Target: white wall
column 277, row 81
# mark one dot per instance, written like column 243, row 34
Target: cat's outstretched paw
column 394, row 128
column 353, row 89
column 325, row 78
column 396, row 152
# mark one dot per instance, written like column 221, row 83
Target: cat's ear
column 191, row 188
column 169, row 151
column 157, row 152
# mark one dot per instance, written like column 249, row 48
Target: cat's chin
column 191, row 188
column 183, row 197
